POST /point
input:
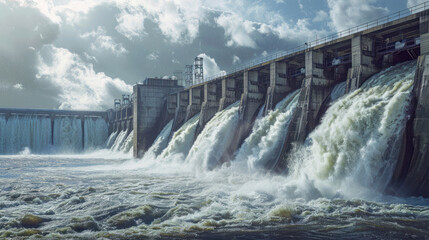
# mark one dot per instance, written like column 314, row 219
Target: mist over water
column 267, row 137
column 357, row 140
column 179, row 189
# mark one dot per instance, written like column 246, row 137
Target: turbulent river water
column 179, row 189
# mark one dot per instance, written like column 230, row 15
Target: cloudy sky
column 80, row 54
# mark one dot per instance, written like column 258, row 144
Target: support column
column 228, row 93
column 411, row 174
column 363, row 64
column 314, row 92
column 195, row 101
column 251, row 100
column 279, row 87
column 424, row 34
column 149, row 110
column 209, row 107
column 180, row 112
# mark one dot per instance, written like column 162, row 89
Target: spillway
column 267, row 136
column 181, row 141
column 357, row 142
column 213, row 140
column 41, row 134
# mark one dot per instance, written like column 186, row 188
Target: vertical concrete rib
column 363, row 63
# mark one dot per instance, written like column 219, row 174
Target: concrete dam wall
column 315, row 72
column 50, row 131
column 269, row 112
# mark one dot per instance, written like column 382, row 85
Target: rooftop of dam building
column 326, row 140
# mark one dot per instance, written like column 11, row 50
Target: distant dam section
column 51, row 131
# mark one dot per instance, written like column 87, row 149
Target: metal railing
column 318, row 41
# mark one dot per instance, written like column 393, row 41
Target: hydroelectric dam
column 304, row 86
column 328, row 140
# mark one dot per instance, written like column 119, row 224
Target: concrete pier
column 210, row 105
column 252, row 99
column 230, row 92
column 196, row 97
column 316, row 88
column 180, row 112
column 363, row 62
column 150, row 110
column 279, row 86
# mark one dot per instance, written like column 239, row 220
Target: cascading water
column 3, row 139
column 212, row 141
column 95, row 133
column 20, row 132
column 68, row 134
column 181, row 141
column 127, row 144
column 266, row 138
column 119, row 140
column 97, row 196
column 160, row 142
column 111, row 140
column 36, row 134
column 338, row 91
column 357, row 141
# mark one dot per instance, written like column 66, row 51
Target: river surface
column 182, row 188
column 91, row 196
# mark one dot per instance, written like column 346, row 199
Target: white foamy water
column 181, row 141
column 338, row 91
column 19, row 132
column 213, row 140
column 96, row 196
column 160, row 142
column 68, row 134
column 35, row 134
column 119, row 140
column 95, row 133
column 354, row 148
column 267, row 137
column 111, row 139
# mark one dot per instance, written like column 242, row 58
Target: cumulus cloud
column 21, row 30
column 237, row 30
column 412, row 3
column 235, row 59
column 86, row 33
column 178, row 20
column 345, row 14
column 102, row 42
column 153, row 56
column 18, row 86
column 321, row 16
column 210, row 66
column 80, row 86
column 131, row 23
